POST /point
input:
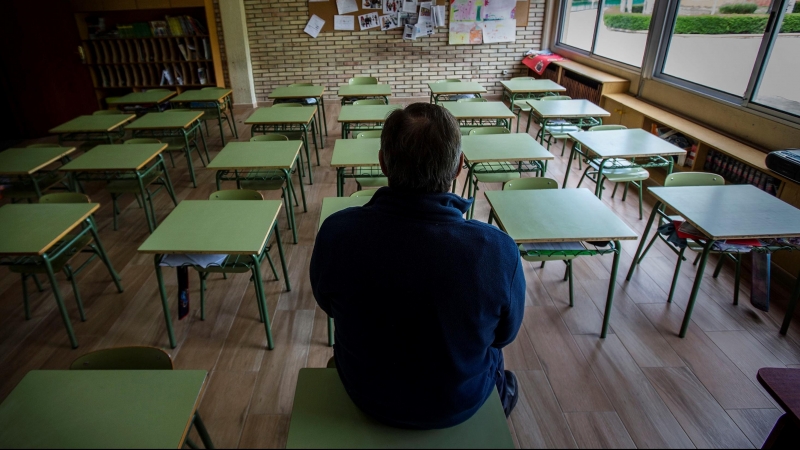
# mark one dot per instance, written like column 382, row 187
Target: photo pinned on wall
column 389, row 22
column 410, row 6
column 499, row 10
column 425, row 20
column 407, row 18
column 368, row 21
column 371, row 4
column 344, row 23
column 346, row 6
column 465, row 33
column 392, row 6
column 410, row 32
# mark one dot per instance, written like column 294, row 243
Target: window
column 745, row 52
column 620, row 35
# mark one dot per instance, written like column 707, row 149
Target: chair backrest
column 300, row 84
column 364, row 193
column 524, row 184
column 142, row 141
column 287, row 105
column 369, row 134
column 489, row 130
column 523, row 78
column 124, row 358
column 556, row 97
column 171, row 110
column 607, row 127
column 43, row 145
column 449, row 80
column 693, row 179
column 236, row 194
column 65, row 197
column 470, row 100
column 269, row 137
column 363, row 80
column 369, row 101
column 106, row 112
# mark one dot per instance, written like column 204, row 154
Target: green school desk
column 331, row 205
column 581, row 112
column 124, row 161
column 454, row 88
column 563, row 215
column 151, row 97
column 512, row 89
column 355, row 118
column 480, row 114
column 165, row 124
column 258, row 158
column 351, row 153
column 25, row 167
column 356, row 91
column 298, row 92
column 217, row 98
column 501, row 153
column 229, row 227
column 39, row 234
column 275, row 120
column 101, row 409
column 726, row 212
column 107, row 127
column 324, row 416
column 624, row 144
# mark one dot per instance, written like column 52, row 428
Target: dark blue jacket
column 423, row 300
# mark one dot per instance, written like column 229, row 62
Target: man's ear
column 460, row 165
column 380, row 160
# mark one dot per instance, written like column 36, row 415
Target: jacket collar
column 445, row 207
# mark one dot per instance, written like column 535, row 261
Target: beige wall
column 283, row 54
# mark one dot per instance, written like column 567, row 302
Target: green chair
column 268, row 180
column 128, row 184
column 239, row 263
column 369, row 101
column 364, row 193
column 558, row 130
column 369, row 181
column 292, row 134
column 472, row 100
column 105, row 112
column 619, row 170
column 362, row 80
column 28, row 267
column 324, row 416
column 177, row 144
column 454, row 97
column 501, row 177
column 138, row 358
column 521, row 105
column 301, row 101
column 691, row 179
column 210, row 113
column 541, row 183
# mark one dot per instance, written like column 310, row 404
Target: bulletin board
column 326, row 11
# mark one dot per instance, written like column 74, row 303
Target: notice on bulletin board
column 482, row 21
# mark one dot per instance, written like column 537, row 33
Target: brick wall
column 282, row 54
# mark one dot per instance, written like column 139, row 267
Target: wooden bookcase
column 121, row 65
column 582, row 81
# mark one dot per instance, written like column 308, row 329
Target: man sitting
column 423, row 300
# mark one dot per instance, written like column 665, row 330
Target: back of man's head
column 421, row 148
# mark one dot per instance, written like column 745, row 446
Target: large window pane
column 622, row 34
column 779, row 86
column 580, row 17
column 715, row 49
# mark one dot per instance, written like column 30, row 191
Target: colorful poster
column 499, row 31
column 465, row 33
column 371, row 4
column 465, row 10
column 392, row 6
column 368, row 21
column 499, row 9
column 389, row 22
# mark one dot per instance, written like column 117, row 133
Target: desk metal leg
column 104, row 256
column 283, row 257
column 233, row 118
column 598, row 188
column 60, row 301
column 188, row 153
column 340, row 182
column 787, row 319
column 219, row 119
column 308, row 154
column 302, row 189
column 698, row 279
column 330, row 331
column 261, row 299
column 321, row 102
column 612, row 284
column 569, row 166
column 145, row 200
column 164, row 301
column 290, row 205
column 643, row 240
column 471, row 190
column 170, row 189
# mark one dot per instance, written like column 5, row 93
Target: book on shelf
column 159, row 28
column 175, row 28
column 206, row 50
column 182, row 48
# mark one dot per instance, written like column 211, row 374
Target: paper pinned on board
column 438, row 15
column 389, row 21
column 314, row 26
column 392, row 6
column 346, row 6
column 344, row 23
column 368, row 21
column 410, row 32
column 499, row 10
column 499, row 31
column 410, row 6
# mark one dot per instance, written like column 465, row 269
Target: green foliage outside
column 796, row 8
column 716, row 24
column 738, row 8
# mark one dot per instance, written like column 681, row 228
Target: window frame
column 659, row 37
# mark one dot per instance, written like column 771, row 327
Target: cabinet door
column 615, row 109
column 631, row 118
